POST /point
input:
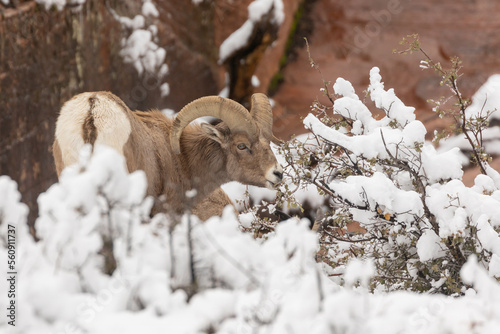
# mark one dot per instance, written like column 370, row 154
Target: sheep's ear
column 212, row 132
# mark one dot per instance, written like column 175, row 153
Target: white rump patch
column 112, row 125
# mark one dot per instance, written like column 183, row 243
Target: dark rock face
column 45, row 58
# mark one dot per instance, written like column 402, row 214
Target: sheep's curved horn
column 262, row 113
column 233, row 114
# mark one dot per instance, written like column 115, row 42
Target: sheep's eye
column 241, row 146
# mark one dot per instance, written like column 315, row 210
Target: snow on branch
column 418, row 221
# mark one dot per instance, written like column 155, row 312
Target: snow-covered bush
column 101, row 265
column 186, row 277
column 418, row 222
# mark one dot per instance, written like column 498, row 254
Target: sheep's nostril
column 278, row 174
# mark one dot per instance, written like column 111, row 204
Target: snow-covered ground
column 243, row 285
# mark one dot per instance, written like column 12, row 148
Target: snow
column 472, row 273
column 246, row 219
column 165, row 89
column 491, row 142
column 140, row 50
column 488, row 237
column 494, row 175
column 486, row 100
column 386, row 193
column 239, row 38
column 245, row 284
column 371, row 145
column 429, row 246
column 359, row 270
column 387, row 100
column 255, row 81
column 235, row 41
column 258, row 8
column 378, row 192
column 394, row 134
column 149, row 9
column 485, row 104
column 12, row 211
column 344, row 88
column 59, row 4
column 472, row 206
column 170, row 113
column 433, row 161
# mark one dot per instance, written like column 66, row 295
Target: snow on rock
column 236, row 41
column 140, row 47
column 170, row 113
column 59, row 4
column 256, row 10
column 255, row 81
column 141, row 50
column 165, row 89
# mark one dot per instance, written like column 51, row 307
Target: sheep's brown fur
column 209, row 155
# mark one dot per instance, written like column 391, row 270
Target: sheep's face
column 248, row 161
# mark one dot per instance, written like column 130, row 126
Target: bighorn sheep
column 176, row 156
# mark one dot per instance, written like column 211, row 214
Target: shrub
column 418, row 222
